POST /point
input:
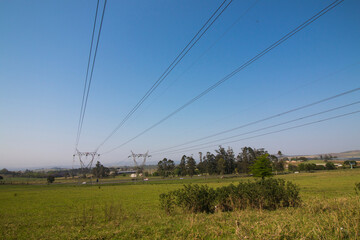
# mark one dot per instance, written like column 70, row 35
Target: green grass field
column 330, row 210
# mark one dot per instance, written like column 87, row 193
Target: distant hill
column 347, row 154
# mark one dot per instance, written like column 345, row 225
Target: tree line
column 224, row 161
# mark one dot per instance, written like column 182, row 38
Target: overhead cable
column 276, row 131
column 243, row 66
column 260, row 129
column 86, row 79
column 168, row 70
column 82, row 114
column 261, row 120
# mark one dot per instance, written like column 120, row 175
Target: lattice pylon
column 85, row 164
column 139, row 169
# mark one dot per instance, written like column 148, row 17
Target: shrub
column 262, row 194
column 167, row 202
column 195, row 198
column 350, row 162
column 357, row 188
column 320, row 167
column 50, row 179
column 292, row 168
column 192, row 198
column 265, row 194
column 330, row 166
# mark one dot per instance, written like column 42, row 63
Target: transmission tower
column 139, row 167
column 86, row 160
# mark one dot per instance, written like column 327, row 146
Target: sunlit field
column 330, row 210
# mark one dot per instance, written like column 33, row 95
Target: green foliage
column 227, row 164
column 330, row 166
column 100, row 171
column 320, row 167
column 182, row 166
column 1, row 177
column 263, row 194
column 350, row 162
column 304, row 159
column 279, row 165
column 357, row 188
column 191, row 198
column 307, row 167
column 190, row 166
column 292, row 168
column 262, row 167
column 166, row 167
column 50, row 179
column 221, row 166
column 167, row 202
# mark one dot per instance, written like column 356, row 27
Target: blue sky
column 44, row 48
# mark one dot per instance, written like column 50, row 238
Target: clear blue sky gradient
column 44, row 48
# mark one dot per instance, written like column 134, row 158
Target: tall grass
column 330, row 209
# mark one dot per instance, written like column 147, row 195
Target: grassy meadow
column 330, row 210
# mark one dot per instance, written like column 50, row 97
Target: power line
column 168, row 70
column 204, row 52
column 243, row 66
column 91, row 75
column 260, row 129
column 277, row 131
column 262, row 120
column 86, row 78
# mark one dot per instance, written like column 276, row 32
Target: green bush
column 292, row 168
column 265, row 194
column 50, row 179
column 320, row 167
column 262, row 194
column 330, row 166
column 357, row 188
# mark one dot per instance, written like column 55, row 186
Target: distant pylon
column 86, row 160
column 139, row 168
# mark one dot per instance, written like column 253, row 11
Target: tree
column 100, row 171
column 292, row 168
column 182, row 166
column 4, row 171
column 221, row 166
column 330, row 166
column 190, row 166
column 1, row 178
column 229, row 159
column 210, row 163
column 166, row 167
column 201, row 166
column 279, row 165
column 262, row 167
column 50, row 179
column 245, row 159
column 350, row 163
